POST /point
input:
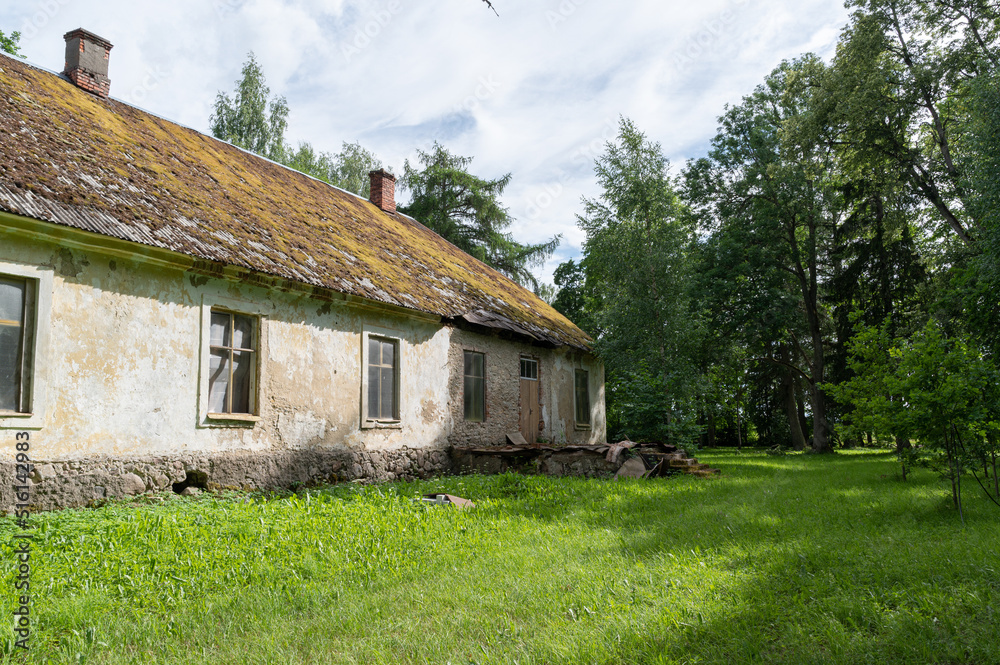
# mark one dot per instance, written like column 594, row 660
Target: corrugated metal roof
column 70, row 158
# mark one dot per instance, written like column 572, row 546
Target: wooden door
column 530, row 407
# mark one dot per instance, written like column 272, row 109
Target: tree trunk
column 739, row 425
column 791, row 406
column 711, row 430
column 801, row 405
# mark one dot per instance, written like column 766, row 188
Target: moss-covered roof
column 71, row 158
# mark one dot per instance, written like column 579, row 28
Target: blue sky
column 535, row 92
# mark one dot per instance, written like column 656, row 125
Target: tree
column 936, row 388
column 896, row 96
column 11, row 44
column 574, row 299
column 347, row 169
column 466, row 211
column 639, row 261
column 770, row 199
column 248, row 119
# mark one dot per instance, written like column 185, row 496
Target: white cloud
column 534, row 92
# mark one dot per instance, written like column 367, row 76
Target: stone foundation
column 585, row 461
column 80, row 482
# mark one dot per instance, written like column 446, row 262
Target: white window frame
column 37, row 380
column 255, row 311
column 392, row 336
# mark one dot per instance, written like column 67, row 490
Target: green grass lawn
column 795, row 559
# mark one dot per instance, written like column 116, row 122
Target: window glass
column 220, row 329
column 232, row 363
column 12, row 300
column 475, row 386
column 582, row 397
column 382, row 380
column 529, row 369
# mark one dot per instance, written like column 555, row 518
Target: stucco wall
column 556, row 372
column 124, row 400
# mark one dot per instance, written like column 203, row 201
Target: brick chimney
column 383, row 190
column 87, row 61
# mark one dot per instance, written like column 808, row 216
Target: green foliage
column 248, row 119
column 11, row 43
column 931, row 387
column 349, row 169
column 574, row 299
column 466, row 211
column 639, row 264
column 767, row 193
column 789, row 559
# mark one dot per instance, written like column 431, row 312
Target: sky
column 536, row 91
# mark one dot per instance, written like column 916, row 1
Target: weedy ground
column 795, row 559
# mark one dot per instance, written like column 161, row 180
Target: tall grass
column 797, row 559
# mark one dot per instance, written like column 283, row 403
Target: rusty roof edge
column 467, row 322
column 167, row 258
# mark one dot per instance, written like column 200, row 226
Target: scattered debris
column 656, row 459
column 516, row 439
column 633, row 468
column 447, row 500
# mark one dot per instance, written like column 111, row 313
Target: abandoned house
column 175, row 311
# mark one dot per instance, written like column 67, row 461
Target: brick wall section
column 383, row 190
column 503, row 372
column 94, row 83
column 503, row 391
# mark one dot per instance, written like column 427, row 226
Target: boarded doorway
column 530, row 408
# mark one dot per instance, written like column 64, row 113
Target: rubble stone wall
column 81, row 482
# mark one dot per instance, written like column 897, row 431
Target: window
column 382, row 365
column 25, row 322
column 529, row 369
column 475, row 387
column 582, row 398
column 232, row 364
column 17, row 316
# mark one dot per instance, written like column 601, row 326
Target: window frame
column 533, row 363
column 393, row 337
column 259, row 316
column 34, row 365
column 581, row 425
column 465, row 394
column 231, row 351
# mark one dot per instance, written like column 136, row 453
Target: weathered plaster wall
column 556, row 370
column 124, row 380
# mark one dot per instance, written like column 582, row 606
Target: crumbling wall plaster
column 503, row 375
